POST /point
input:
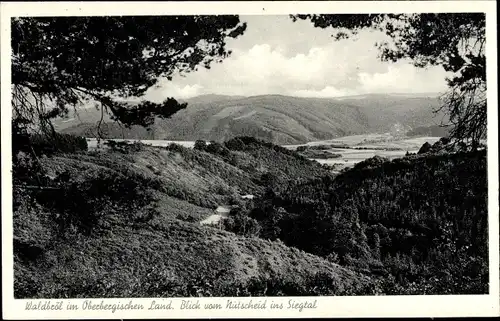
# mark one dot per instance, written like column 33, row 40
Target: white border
column 388, row 306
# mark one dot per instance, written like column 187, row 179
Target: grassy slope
column 128, row 253
column 165, row 258
column 196, row 177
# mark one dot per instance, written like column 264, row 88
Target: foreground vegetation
column 124, row 222
column 419, row 222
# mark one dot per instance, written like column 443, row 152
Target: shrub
column 62, row 143
column 85, row 206
column 235, row 144
column 241, row 224
column 374, row 161
column 218, row 149
column 124, row 146
column 26, row 169
column 200, row 145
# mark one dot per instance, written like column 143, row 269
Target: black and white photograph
column 261, row 155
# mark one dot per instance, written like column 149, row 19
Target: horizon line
column 324, row 97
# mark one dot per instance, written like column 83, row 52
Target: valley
column 352, row 149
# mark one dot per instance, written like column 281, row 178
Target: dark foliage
column 200, row 145
column 417, row 221
column 60, row 62
column 43, row 144
column 62, row 143
column 124, row 146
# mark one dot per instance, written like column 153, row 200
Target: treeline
column 268, row 164
column 46, row 144
column 420, row 223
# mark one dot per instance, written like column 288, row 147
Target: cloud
column 404, row 78
column 326, row 92
column 272, row 59
column 166, row 89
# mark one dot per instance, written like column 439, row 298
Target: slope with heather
column 125, row 223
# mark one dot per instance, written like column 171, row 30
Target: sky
column 278, row 56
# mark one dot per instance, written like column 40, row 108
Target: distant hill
column 383, row 111
column 210, row 98
column 276, row 118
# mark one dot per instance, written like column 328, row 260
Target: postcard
column 249, row 159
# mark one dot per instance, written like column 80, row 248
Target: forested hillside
column 419, row 222
column 274, row 118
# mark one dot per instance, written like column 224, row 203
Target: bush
column 218, row 149
column 62, row 143
column 26, row 169
column 125, row 147
column 241, row 224
column 235, row 144
column 374, row 161
column 85, row 206
column 200, row 145
column 33, row 230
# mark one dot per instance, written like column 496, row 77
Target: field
column 357, row 148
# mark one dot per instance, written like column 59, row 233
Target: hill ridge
column 278, row 118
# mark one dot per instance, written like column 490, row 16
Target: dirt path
column 220, row 212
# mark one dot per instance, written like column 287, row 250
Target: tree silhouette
column 455, row 41
column 60, row 62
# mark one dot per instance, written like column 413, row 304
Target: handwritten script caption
column 169, row 304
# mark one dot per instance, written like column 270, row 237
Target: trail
column 221, row 212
